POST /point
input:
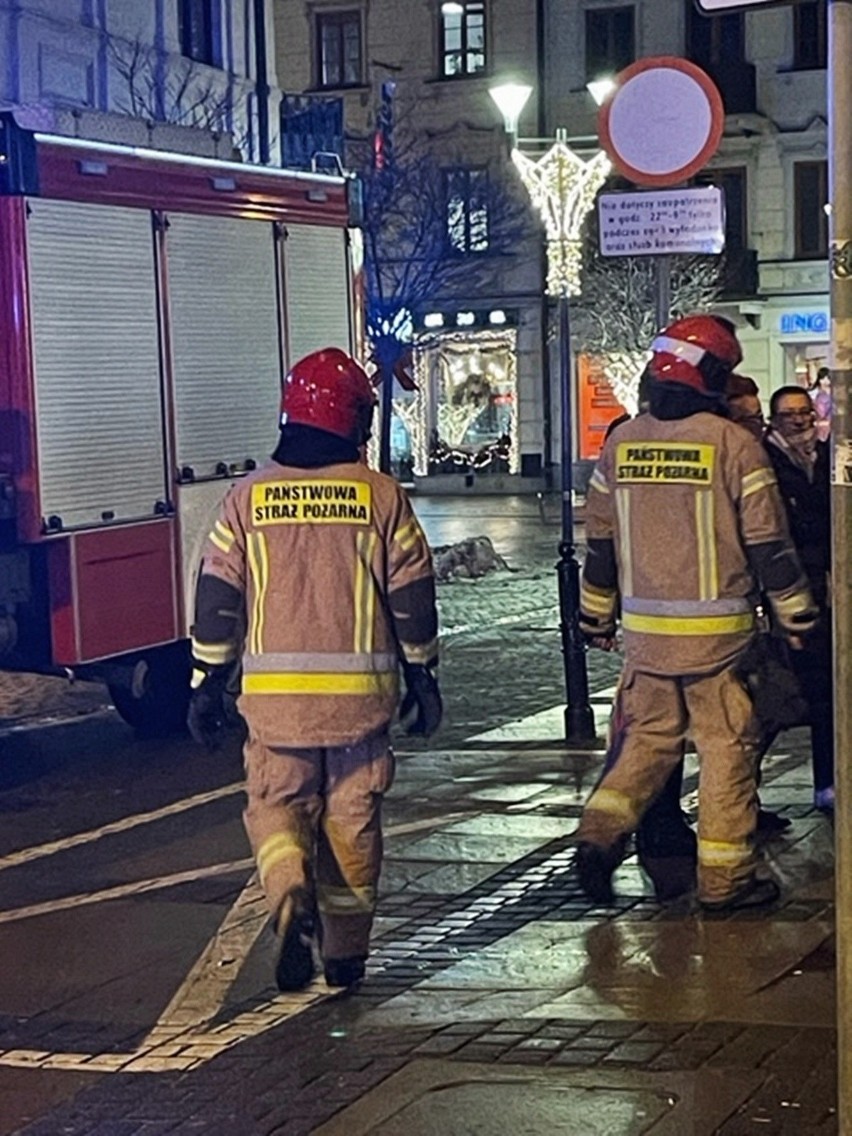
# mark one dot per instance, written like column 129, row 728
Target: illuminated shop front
column 462, row 418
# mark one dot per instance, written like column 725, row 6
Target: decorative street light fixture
column 562, row 187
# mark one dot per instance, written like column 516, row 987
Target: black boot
column 345, row 971
column 669, row 857
column 295, row 966
column 595, row 866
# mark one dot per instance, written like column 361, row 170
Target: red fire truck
column 150, row 304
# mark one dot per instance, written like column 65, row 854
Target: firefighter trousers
column 655, row 713
column 313, row 818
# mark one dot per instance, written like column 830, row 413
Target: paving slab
column 436, row 1098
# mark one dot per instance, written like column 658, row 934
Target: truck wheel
column 156, row 701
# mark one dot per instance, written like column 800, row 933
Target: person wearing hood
column 685, row 526
column 802, row 466
column 317, row 580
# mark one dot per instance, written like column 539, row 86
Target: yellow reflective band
column 365, row 592
column 224, row 531
column 720, row 853
column 223, row 545
column 263, row 559
column 406, row 536
column 625, row 549
column 346, row 901
column 596, row 602
column 259, row 566
column 708, row 581
column 758, row 479
column 420, row 653
column 791, row 603
column 615, row 803
column 274, row 849
column 341, row 683
column 213, row 653
column 687, row 625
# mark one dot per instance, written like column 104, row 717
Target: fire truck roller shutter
column 316, row 269
column 226, row 348
column 97, row 364
column 226, row 342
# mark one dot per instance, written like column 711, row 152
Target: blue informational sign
column 804, row 323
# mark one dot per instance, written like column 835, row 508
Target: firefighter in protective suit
column 685, row 525
column 317, row 577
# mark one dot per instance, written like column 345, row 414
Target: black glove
column 423, row 694
column 207, row 717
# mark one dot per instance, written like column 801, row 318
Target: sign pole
column 663, row 299
column 840, row 254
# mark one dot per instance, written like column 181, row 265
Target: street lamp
column 562, row 187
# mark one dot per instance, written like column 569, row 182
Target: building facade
column 770, row 68
column 440, row 58
column 187, row 75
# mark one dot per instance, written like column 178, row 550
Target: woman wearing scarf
column 801, row 463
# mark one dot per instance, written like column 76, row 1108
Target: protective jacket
column 336, row 581
column 682, row 515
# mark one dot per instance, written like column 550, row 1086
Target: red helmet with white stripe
column 697, row 351
column 329, row 391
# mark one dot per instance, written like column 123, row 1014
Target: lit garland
column 562, row 187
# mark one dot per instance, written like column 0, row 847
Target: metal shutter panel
column 317, row 290
column 97, row 362
column 225, row 340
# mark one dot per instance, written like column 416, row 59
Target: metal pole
column 663, row 298
column 579, row 719
column 840, row 196
column 385, row 420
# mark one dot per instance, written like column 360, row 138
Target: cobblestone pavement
column 497, row 999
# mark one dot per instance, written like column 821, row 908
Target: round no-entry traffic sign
column 663, row 120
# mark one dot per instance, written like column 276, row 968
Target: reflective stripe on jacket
column 337, row 583
column 681, row 500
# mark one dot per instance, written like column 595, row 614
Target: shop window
column 195, row 30
column 466, row 194
column 462, row 38
column 733, row 183
column 472, row 410
column 339, row 51
column 810, row 39
column 713, row 41
column 811, row 222
column 610, row 40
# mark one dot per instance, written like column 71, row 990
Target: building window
column 462, row 38
column 712, row 41
column 811, row 222
column 810, row 40
column 733, row 182
column 338, row 37
column 466, row 194
column 195, row 30
column 610, row 41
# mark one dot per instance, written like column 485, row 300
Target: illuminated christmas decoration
column 623, row 369
column 412, row 413
column 562, row 187
column 463, row 375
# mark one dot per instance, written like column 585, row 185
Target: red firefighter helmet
column 697, row 351
column 330, row 391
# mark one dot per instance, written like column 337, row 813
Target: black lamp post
column 562, row 187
